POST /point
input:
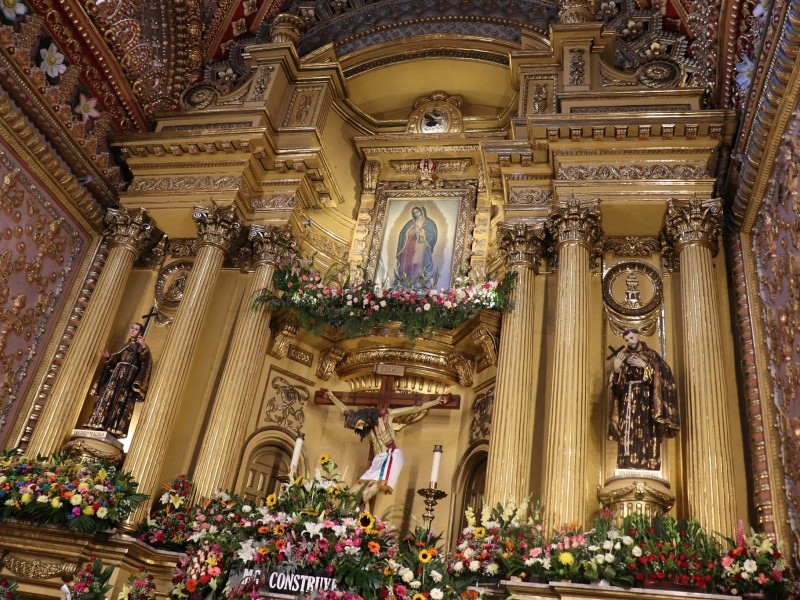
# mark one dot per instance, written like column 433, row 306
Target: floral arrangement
column 671, row 551
column 201, row 571
column 610, row 553
column 508, row 542
column 166, row 527
column 91, row 582
column 85, row 496
column 357, row 306
column 140, row 586
column 753, row 564
column 419, row 570
column 8, row 589
column 568, row 548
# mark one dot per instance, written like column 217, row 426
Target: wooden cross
column 386, row 398
column 153, row 312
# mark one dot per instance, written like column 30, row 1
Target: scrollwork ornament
column 35, row 569
column 284, row 331
column 328, row 360
column 576, row 223
column 481, row 426
column 271, row 242
column 217, row 225
column 131, row 229
column 522, row 244
column 630, row 246
column 462, row 366
column 372, row 169
column 697, row 223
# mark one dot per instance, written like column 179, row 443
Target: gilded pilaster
column 575, row 229
column 221, row 448
column 127, row 232
column 216, row 227
column 511, row 444
column 694, row 230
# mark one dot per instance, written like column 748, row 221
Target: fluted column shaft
column 127, row 233
column 575, row 229
column 220, row 451
column 709, row 464
column 216, row 227
column 511, row 445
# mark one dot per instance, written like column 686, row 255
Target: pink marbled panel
column 41, row 247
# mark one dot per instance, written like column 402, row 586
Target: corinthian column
column 511, row 444
column 216, row 228
column 694, row 230
column 127, row 233
column 575, row 230
column 222, row 443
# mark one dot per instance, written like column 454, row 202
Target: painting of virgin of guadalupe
column 417, row 248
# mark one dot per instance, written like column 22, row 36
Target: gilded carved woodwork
column 286, row 408
column 576, row 222
column 631, row 246
column 36, row 569
column 652, row 171
column 270, row 243
column 297, row 354
column 286, row 29
column 632, row 295
column 637, row 497
column 185, row 183
column 284, row 330
column 130, row 229
column 489, row 343
column 697, row 223
column 328, row 359
column 217, row 225
column 169, row 289
column 480, row 427
column 522, row 244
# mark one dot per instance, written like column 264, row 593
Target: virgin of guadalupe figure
column 415, row 251
column 122, row 383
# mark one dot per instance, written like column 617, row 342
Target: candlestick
column 432, row 495
column 298, row 447
column 437, row 459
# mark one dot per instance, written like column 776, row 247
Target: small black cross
column 153, row 312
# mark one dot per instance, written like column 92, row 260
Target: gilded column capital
column 522, row 243
column 576, row 11
column 271, row 242
column 576, row 222
column 696, row 223
column 286, row 29
column 216, row 225
column 131, row 229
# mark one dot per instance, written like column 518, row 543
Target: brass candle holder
column 431, row 495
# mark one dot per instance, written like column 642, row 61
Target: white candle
column 298, row 447
column 437, row 459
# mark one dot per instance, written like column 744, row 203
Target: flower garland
column 83, row 496
column 356, row 307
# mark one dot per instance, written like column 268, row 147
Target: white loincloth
column 385, row 469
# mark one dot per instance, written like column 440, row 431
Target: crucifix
column 383, row 414
column 153, row 312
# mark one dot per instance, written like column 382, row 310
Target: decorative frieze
column 656, row 171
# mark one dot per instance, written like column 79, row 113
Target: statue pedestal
column 627, row 495
column 93, row 444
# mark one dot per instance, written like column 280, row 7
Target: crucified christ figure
column 381, row 425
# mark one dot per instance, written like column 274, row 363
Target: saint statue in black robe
column 122, row 383
column 643, row 404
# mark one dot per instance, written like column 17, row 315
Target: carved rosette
column 576, row 223
column 217, row 225
column 129, row 229
column 576, row 11
column 286, row 29
column 271, row 242
column 697, row 223
column 521, row 243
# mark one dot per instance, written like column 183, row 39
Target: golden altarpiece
column 598, row 187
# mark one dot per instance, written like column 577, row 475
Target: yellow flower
column 479, row 532
column 566, row 559
column 366, row 520
column 387, row 570
column 272, row 499
column 26, row 498
column 88, row 510
column 424, row 556
column 263, row 550
column 278, row 530
column 324, row 459
column 56, row 502
column 334, row 490
column 211, row 561
column 101, row 475
column 418, row 596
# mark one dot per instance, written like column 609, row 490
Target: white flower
column 352, row 550
column 492, row 568
column 474, row 565
column 10, row 502
column 608, row 544
column 593, row 548
column 415, row 585
column 617, row 546
column 599, row 559
column 76, row 500
column 468, row 552
column 13, row 9
column 627, row 540
column 247, row 550
column 247, row 508
column 750, row 566
column 426, row 306
column 52, row 61
column 407, row 575
column 102, row 512
column 609, row 557
column 636, row 551
column 437, row 594
column 458, row 566
column 87, row 108
column 745, row 69
column 42, row 499
column 613, row 534
column 436, row 576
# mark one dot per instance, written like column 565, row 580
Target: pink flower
column 727, row 561
column 87, row 108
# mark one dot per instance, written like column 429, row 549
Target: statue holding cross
column 380, row 424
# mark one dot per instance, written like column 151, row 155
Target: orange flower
column 191, row 585
column 433, row 551
column 374, row 547
column 280, row 544
column 263, row 550
column 263, row 529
